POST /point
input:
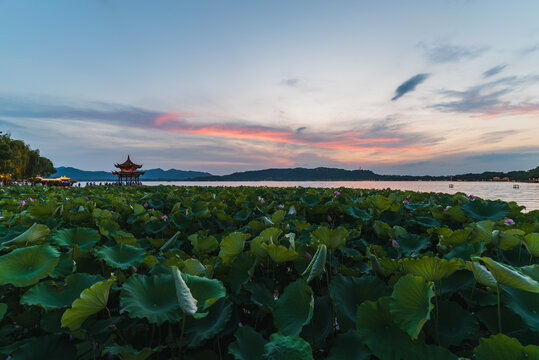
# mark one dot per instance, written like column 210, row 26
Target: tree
column 18, row 161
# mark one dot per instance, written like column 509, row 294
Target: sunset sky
column 397, row 87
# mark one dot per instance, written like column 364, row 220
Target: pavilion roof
column 128, row 164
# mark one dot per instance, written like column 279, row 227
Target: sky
column 397, row 87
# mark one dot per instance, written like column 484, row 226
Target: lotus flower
column 261, row 199
column 145, row 205
column 86, row 198
column 395, row 244
column 308, row 256
column 337, row 192
column 30, row 199
column 509, row 222
column 281, row 206
column 133, row 269
column 164, row 217
column 447, row 207
column 472, row 197
column 22, row 202
column 405, row 202
column 329, row 218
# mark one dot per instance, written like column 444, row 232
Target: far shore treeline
column 18, row 161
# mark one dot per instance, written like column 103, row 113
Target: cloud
column 291, row 82
column 529, row 50
column 409, row 85
column 497, row 136
column 487, row 99
column 494, row 71
column 300, row 129
column 452, row 53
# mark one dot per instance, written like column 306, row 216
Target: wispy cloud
column 445, row 53
column 291, row 82
column 494, row 71
column 497, row 136
column 488, row 100
column 409, row 85
column 530, row 49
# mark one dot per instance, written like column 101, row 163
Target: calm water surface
column 527, row 195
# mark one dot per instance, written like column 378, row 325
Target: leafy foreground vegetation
column 265, row 273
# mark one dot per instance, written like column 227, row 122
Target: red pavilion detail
column 128, row 174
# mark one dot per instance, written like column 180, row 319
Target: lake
column 527, row 195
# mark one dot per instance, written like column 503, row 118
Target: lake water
column 527, row 194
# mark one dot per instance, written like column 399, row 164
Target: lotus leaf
column 358, row 213
column 49, row 347
column 349, row 292
column 232, row 246
column 203, row 244
column 525, row 304
column 427, row 221
column 279, row 253
column 51, row 295
column 410, row 303
column 26, row 266
column 510, row 239
column 121, row 256
column 457, row 237
column 412, row 243
column 266, row 237
column 202, row 329
column 81, row 237
column 321, row 325
column 128, row 352
column 500, row 347
column 65, row 266
column 294, row 308
column 170, row 242
column 482, row 275
column 3, row 310
column 91, row 301
column 248, row 345
column 33, row 235
column 454, row 324
column 349, row 346
column 281, row 347
column 509, row 276
column 483, row 231
column 431, row 268
column 187, row 302
column 332, row 238
column 486, row 210
column 317, row 265
column 151, row 297
column 531, row 241
column 193, row 267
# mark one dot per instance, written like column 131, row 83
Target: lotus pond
column 265, row 273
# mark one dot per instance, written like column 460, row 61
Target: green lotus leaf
column 170, row 242
column 279, row 253
column 349, row 292
column 232, row 246
column 47, row 347
column 513, row 326
column 249, row 344
column 500, row 347
column 358, row 213
column 33, row 235
column 241, row 271
column 3, row 310
column 278, row 216
column 349, row 346
column 281, row 347
column 457, row 237
column 205, row 291
column 310, row 199
column 199, row 330
column 52, row 295
column 486, row 210
column 510, row 239
column 532, row 271
column 203, row 244
column 531, row 241
column 525, row 304
column 381, row 203
column 431, row 268
column 383, row 230
column 332, row 238
column 26, row 266
column 65, row 266
column 383, row 337
column 261, row 296
column 81, row 237
column 151, row 297
column 454, row 324
column 193, row 267
column 156, row 204
column 267, row 236
column 155, row 227
column 121, row 256
column 482, row 231
column 128, row 352
column 123, row 237
column 187, row 302
column 410, row 303
column 481, row 274
column 321, row 325
column 294, row 308
column 243, row 215
column 317, row 266
column 91, row 301
column 412, row 243
column 456, row 214
column 509, row 276
column 427, row 221
column 465, row 251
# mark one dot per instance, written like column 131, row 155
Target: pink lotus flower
column 405, row 202
column 308, row 256
column 145, row 205
column 395, row 244
column 164, row 217
column 281, row 206
column 447, row 207
column 133, row 269
column 30, row 199
column 86, row 198
column 472, row 197
column 408, row 196
column 261, row 199
column 329, row 218
column 337, row 192
column 22, row 202
column 509, row 222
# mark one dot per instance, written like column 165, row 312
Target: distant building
column 128, row 174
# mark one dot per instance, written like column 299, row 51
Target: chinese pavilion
column 128, row 173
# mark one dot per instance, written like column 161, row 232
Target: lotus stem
column 471, row 294
column 181, row 335
column 499, row 309
column 437, row 314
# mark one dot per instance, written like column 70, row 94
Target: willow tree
column 18, row 161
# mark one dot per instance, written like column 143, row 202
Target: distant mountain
column 149, row 175
column 303, row 174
